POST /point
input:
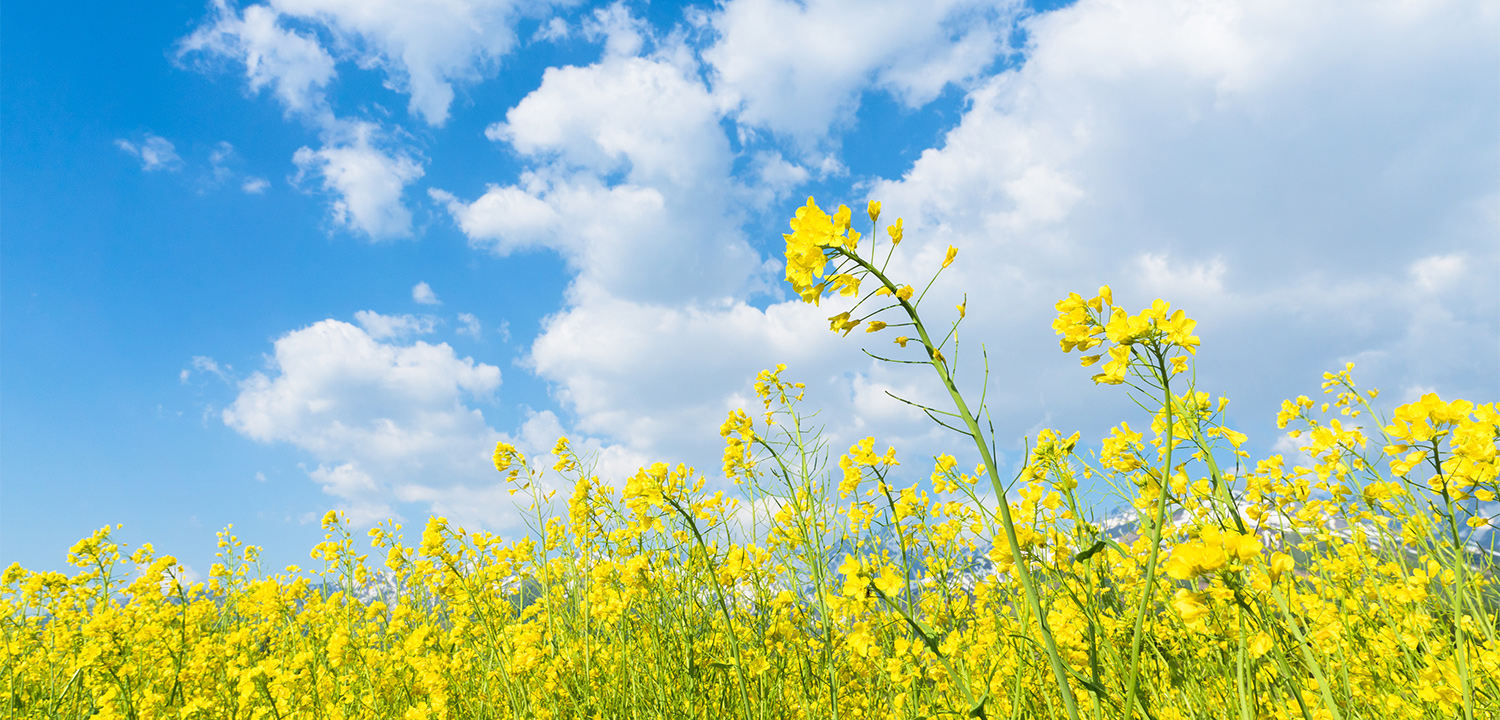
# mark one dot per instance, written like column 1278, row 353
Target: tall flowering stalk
column 818, row 239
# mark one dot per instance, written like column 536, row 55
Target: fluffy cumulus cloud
column 798, row 68
column 294, row 65
column 366, row 179
column 1298, row 178
column 630, row 181
column 424, row 48
column 631, row 178
column 385, row 419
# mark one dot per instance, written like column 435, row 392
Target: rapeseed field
column 825, row 587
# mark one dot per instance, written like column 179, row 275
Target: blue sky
column 268, row 259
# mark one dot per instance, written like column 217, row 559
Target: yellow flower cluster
column 1087, row 324
column 862, row 455
column 1417, row 431
column 813, row 233
column 1212, row 551
column 738, row 432
column 817, row 239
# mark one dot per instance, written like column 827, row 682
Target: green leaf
column 1091, row 551
column 978, row 710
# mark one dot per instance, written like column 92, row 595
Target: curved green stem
column 734, row 638
column 1023, row 571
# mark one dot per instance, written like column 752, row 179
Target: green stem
column 1023, row 571
column 1460, row 643
column 1307, row 655
column 734, row 638
column 1159, row 519
column 976, row 707
column 813, row 550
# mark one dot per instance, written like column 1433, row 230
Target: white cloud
column 363, row 498
column 647, row 117
column 379, row 417
column 631, row 183
column 389, row 423
column 1202, row 280
column 603, row 358
column 367, row 179
column 506, row 218
column 422, row 294
column 154, row 152
column 489, row 506
column 471, row 326
column 1264, row 165
column 1438, row 272
column 658, row 380
column 424, row 48
column 293, row 64
column 383, row 327
column 335, row 386
column 552, row 31
column 205, row 365
column 776, row 177
column 1294, row 450
column 799, row 68
column 623, row 33
column 217, row 162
